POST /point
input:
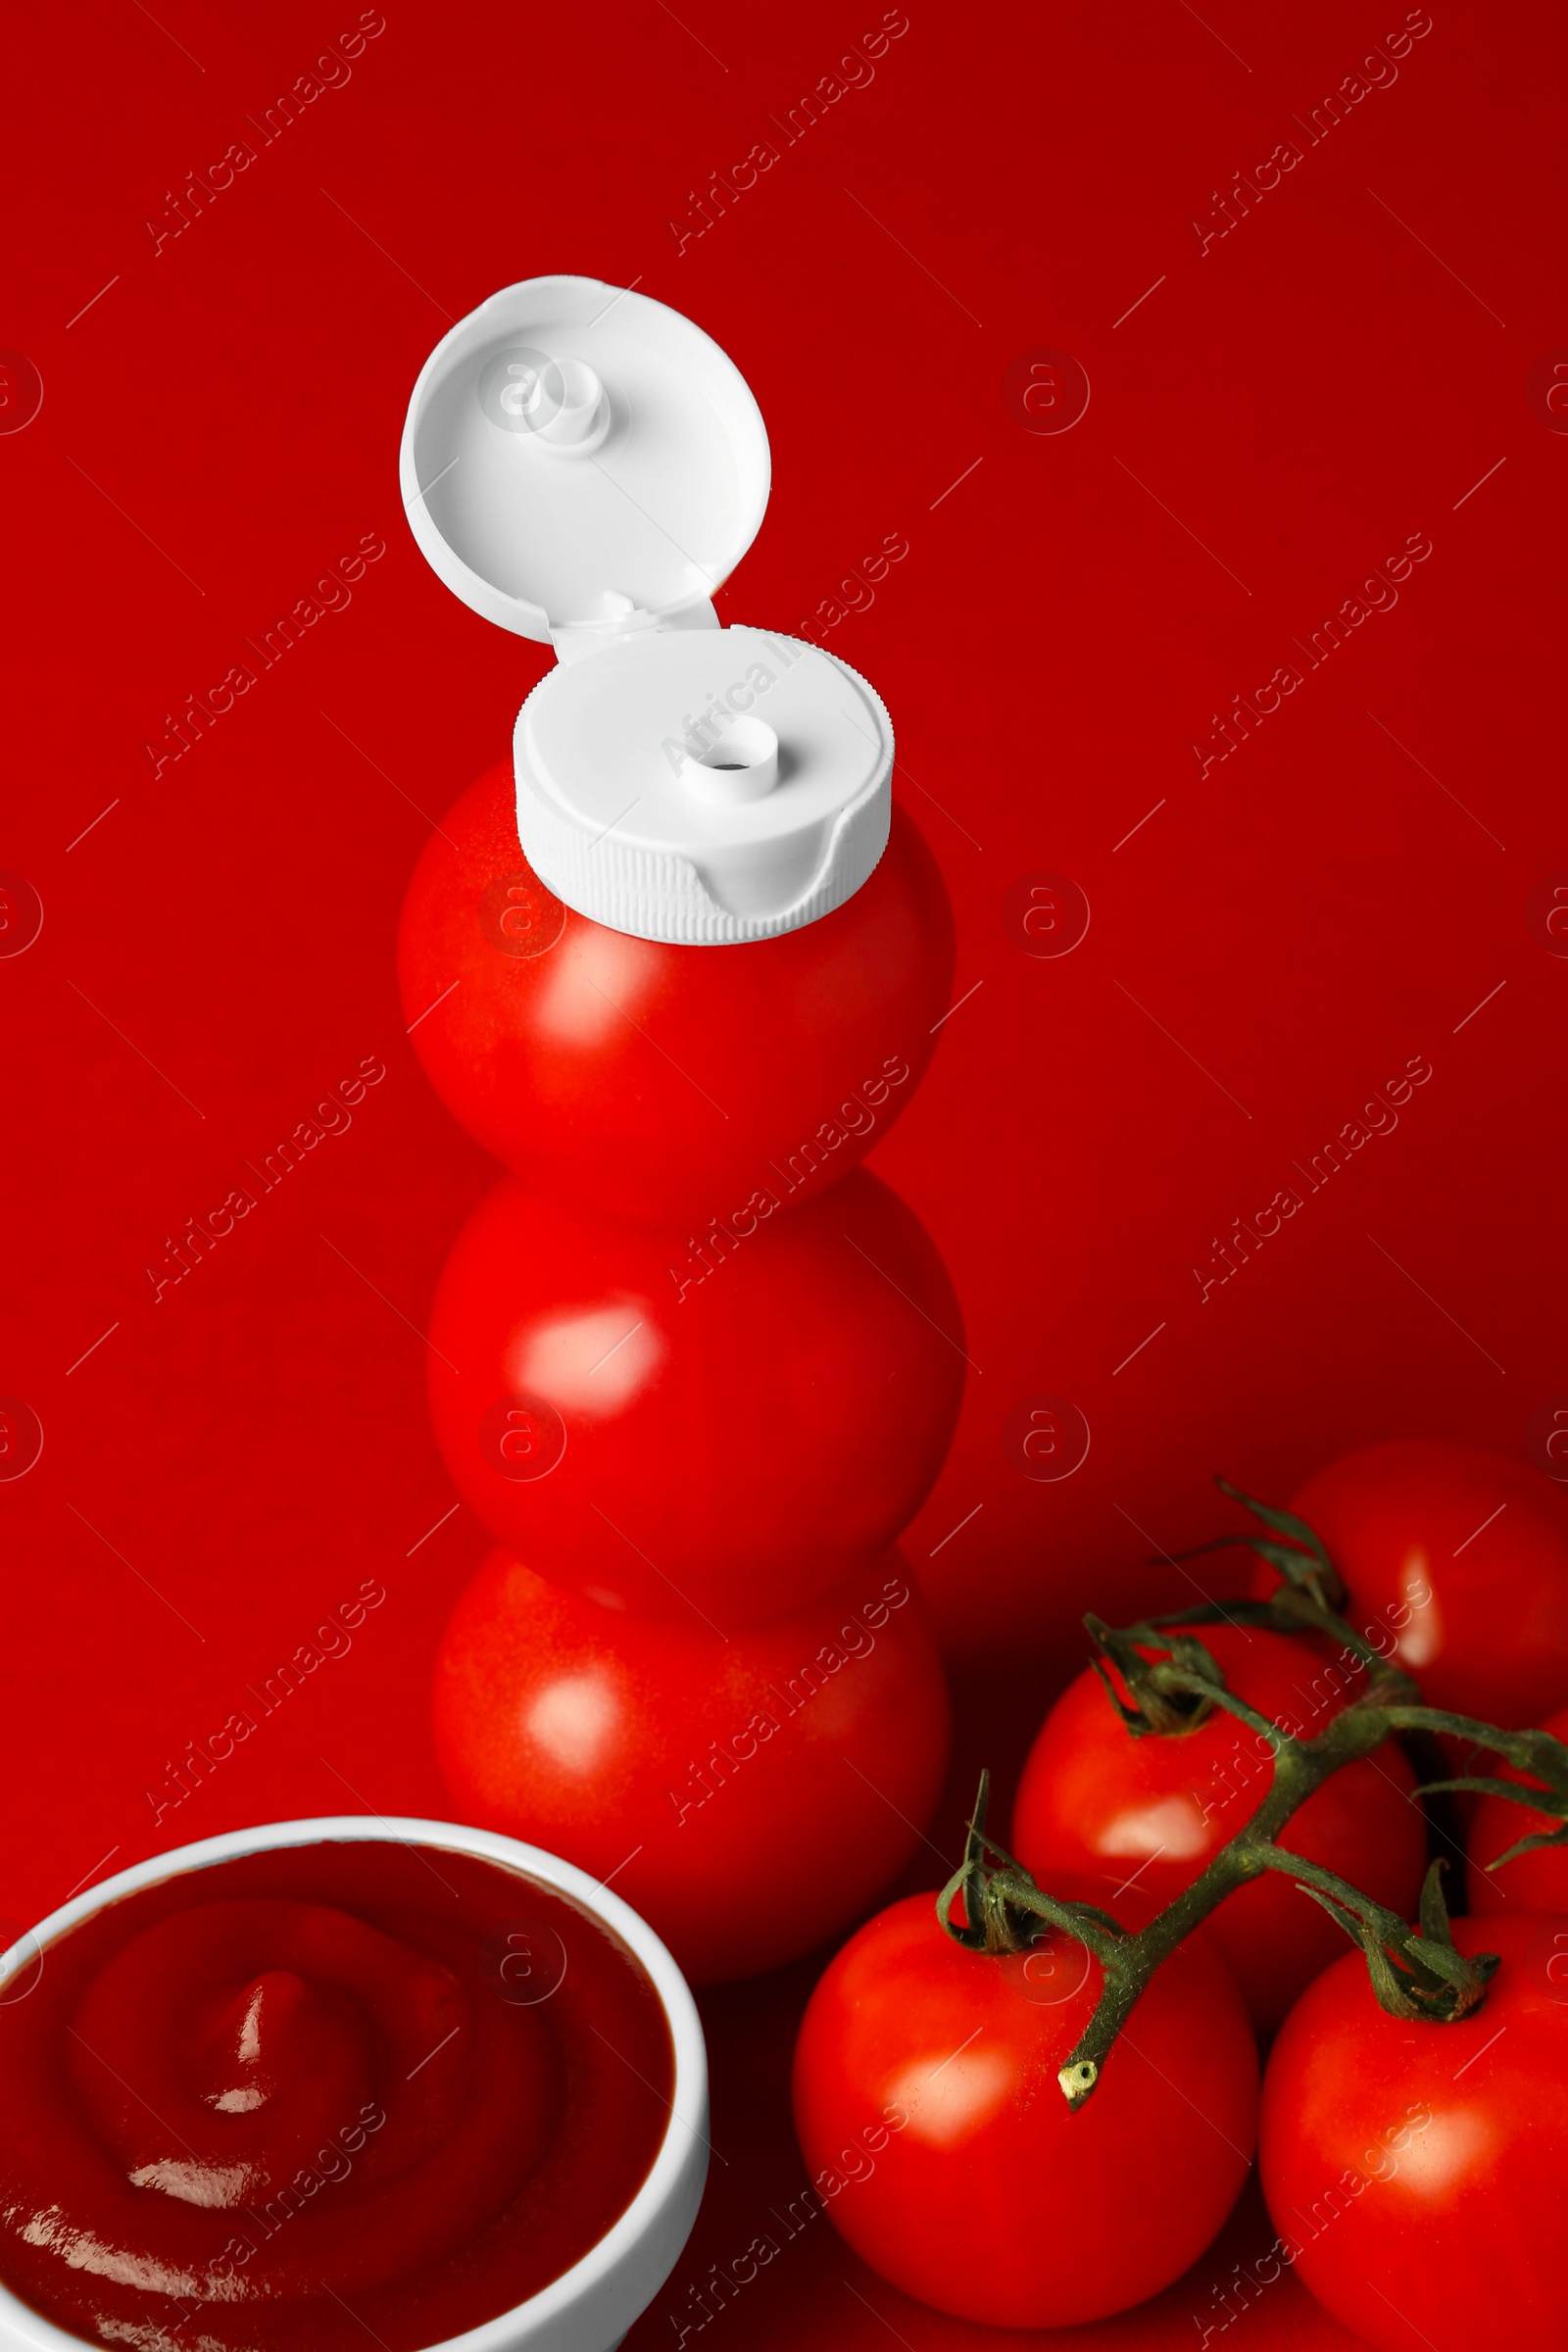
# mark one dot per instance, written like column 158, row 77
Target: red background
column 220, row 422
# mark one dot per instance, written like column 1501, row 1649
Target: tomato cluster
column 695, row 1369
column 1412, row 2126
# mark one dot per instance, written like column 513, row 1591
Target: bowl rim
column 685, row 2131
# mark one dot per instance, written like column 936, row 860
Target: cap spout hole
column 742, row 765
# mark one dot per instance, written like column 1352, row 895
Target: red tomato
column 708, row 1446
column 1457, row 1563
column 1096, row 1803
column 749, row 1798
column 1537, row 1881
column 934, row 2129
column 1415, row 2172
column 667, row 1083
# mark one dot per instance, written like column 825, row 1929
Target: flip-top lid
column 578, row 458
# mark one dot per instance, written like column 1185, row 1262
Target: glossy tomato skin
column 1537, row 1881
column 749, row 1798
column 1096, row 1803
column 667, row 1083
column 713, row 1447
column 1457, row 1563
column 932, row 2123
column 1417, row 2170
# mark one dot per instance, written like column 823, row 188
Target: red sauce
column 323, row 2096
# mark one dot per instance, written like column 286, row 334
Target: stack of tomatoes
column 1412, row 2169
column 695, row 1369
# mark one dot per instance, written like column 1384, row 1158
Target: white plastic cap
column 704, row 785
column 586, row 466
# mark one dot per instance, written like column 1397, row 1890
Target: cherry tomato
column 749, row 1798
column 1457, row 1562
column 667, row 1083
column 1415, row 2171
column 1536, row 1882
column 1154, row 1810
column 933, row 2126
column 714, row 1445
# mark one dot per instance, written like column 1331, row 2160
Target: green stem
column 1416, row 1973
column 1529, row 1751
column 1300, row 1766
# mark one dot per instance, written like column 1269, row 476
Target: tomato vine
column 1416, row 1969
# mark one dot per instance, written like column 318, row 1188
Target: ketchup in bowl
column 320, row 2097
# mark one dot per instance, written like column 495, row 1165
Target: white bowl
column 588, row 2308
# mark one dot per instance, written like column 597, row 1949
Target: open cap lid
column 580, row 462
